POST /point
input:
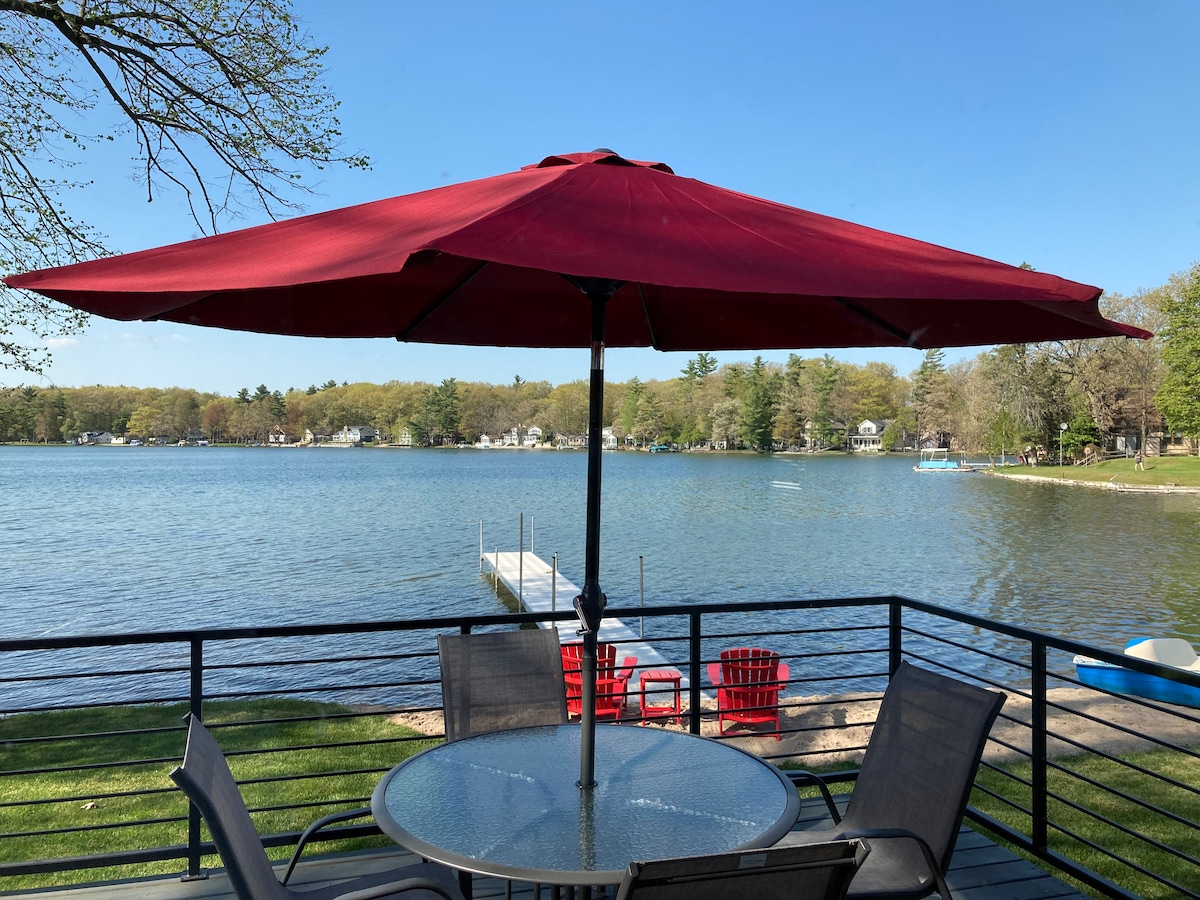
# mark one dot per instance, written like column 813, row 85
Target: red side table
column 669, row 710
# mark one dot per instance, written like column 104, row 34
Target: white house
column 533, row 437
column 404, row 439
column 869, row 437
column 485, row 442
column 610, row 439
column 96, row 437
column 353, row 434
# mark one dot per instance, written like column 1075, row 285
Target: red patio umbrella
column 585, row 250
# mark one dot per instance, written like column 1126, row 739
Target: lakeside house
column 95, row 437
column 562, row 439
column 279, row 437
column 519, row 436
column 869, row 436
column 354, row 434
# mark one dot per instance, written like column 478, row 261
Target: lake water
column 131, row 539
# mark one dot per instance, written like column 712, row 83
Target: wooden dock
column 538, row 588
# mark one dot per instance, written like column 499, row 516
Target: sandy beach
column 815, row 728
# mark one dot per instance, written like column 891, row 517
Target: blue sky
column 1061, row 134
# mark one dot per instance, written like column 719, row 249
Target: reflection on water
column 116, row 539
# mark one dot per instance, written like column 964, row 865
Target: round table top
column 508, row 803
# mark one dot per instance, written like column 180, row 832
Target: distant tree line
column 1004, row 398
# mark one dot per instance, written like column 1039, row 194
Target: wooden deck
column 981, row 870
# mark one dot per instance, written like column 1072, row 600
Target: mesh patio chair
column 913, row 785
column 811, row 872
column 206, row 780
column 494, row 681
column 748, row 682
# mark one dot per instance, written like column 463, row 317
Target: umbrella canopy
column 585, row 250
column 479, row 263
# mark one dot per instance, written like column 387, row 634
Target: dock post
column 554, row 583
column 481, row 546
column 532, row 533
column 642, row 595
column 521, row 566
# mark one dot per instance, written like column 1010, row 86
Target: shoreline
column 822, row 724
column 1110, row 485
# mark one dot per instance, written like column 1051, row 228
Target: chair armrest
column 714, row 673
column 904, row 834
column 323, row 822
column 808, row 778
column 404, row 884
column 627, row 668
column 784, row 674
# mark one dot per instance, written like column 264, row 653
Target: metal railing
column 1073, row 778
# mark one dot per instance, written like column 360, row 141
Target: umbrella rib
column 906, row 337
column 437, row 301
column 646, row 315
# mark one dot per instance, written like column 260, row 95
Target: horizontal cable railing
column 1099, row 786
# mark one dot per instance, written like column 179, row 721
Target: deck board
column 980, row 870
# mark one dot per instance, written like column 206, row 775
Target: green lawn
column 94, row 799
column 1182, row 471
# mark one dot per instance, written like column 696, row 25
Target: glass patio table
column 507, row 804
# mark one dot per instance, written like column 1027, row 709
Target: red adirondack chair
column 748, row 682
column 612, row 683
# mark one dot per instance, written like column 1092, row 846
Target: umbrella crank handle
column 578, row 604
column 586, row 620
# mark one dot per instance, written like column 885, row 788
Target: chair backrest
column 208, row 783
column 920, row 763
column 748, row 667
column 750, row 677
column 494, row 681
column 572, row 656
column 805, row 872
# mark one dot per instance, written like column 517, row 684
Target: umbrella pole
column 590, row 603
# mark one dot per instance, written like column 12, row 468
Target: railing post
column 895, row 636
column 195, row 708
column 694, row 673
column 642, row 595
column 521, row 567
column 1040, row 805
column 554, row 583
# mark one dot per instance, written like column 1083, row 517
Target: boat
column 1174, row 652
column 938, row 460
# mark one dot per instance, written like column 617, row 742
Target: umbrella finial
column 606, row 150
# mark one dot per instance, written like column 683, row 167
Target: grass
column 87, row 803
column 1089, row 812
column 1181, row 471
